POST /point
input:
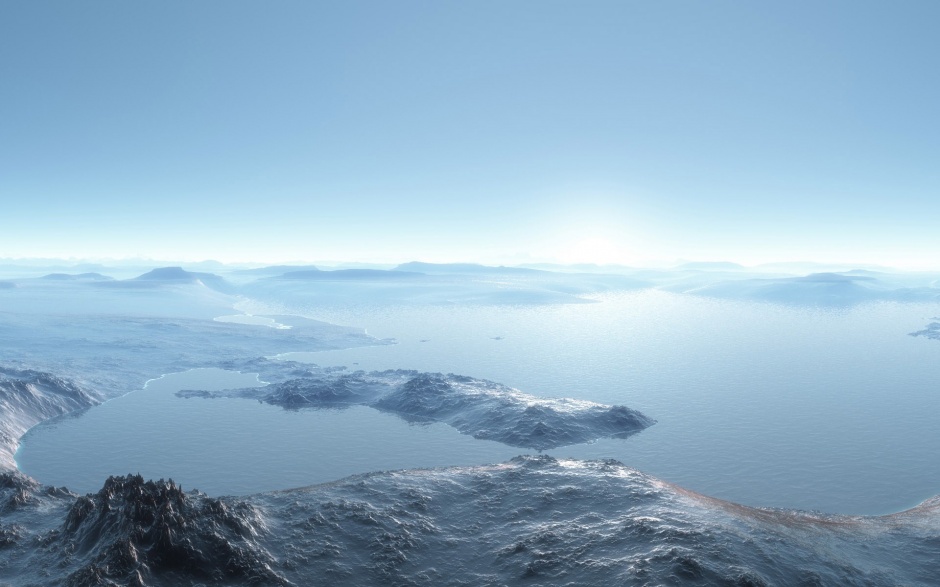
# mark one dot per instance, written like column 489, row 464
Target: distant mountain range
column 76, row 277
column 463, row 268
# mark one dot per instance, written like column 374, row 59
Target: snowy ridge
column 491, row 411
column 28, row 397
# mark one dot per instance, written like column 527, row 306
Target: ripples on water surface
column 234, row 446
column 829, row 409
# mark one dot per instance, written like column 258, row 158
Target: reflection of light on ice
column 252, row 321
column 146, row 383
column 209, row 379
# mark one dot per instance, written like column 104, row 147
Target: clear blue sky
column 471, row 131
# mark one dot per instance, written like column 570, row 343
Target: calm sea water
column 829, row 409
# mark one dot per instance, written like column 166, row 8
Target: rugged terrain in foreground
column 531, row 521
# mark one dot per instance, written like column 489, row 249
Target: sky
column 486, row 131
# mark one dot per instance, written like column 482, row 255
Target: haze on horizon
column 493, row 132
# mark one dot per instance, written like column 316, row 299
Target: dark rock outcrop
column 932, row 330
column 136, row 532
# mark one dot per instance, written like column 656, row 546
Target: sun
column 594, row 249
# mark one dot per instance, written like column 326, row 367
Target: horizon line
column 42, row 261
